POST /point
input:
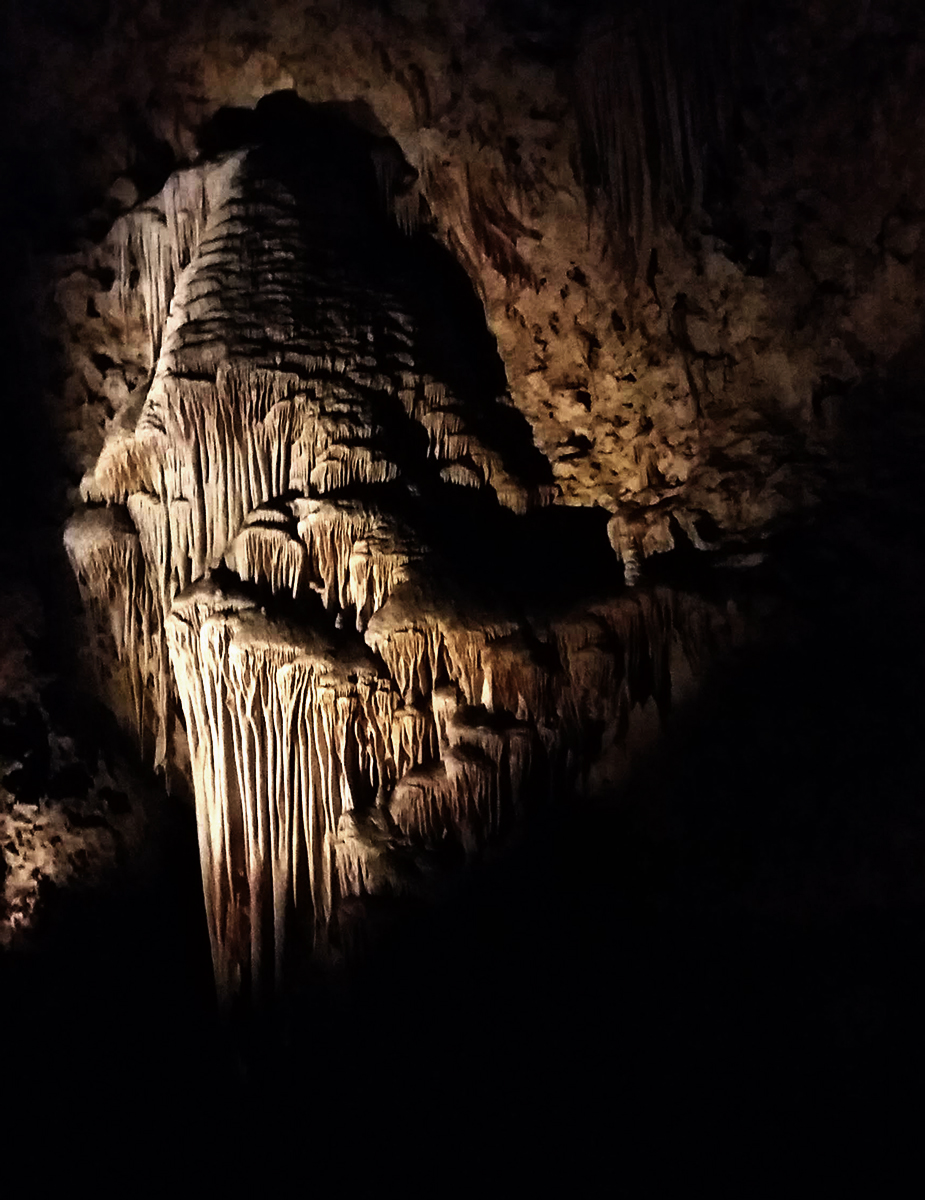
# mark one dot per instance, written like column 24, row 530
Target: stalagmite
column 266, row 550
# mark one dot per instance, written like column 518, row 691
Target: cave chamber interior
column 727, row 930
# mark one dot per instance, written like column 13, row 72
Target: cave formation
column 441, row 409
column 304, row 545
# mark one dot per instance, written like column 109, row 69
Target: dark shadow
column 330, row 148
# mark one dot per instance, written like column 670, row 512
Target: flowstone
column 321, row 584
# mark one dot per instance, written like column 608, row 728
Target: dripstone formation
column 315, row 572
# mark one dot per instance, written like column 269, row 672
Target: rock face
column 70, row 815
column 317, row 573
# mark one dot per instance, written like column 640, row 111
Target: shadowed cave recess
column 463, row 644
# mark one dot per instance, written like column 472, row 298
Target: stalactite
column 343, row 465
column 358, row 554
column 155, row 243
column 365, row 858
column 654, row 83
column 419, row 803
column 105, row 553
column 267, row 551
column 395, row 180
column 467, row 461
column 270, row 717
